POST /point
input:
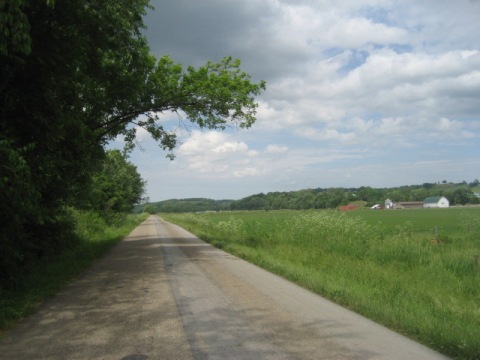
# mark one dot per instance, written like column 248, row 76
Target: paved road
column 164, row 294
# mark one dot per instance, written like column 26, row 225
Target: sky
column 359, row 93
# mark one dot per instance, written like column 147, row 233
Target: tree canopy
column 74, row 75
column 117, row 186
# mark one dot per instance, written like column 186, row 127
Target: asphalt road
column 164, row 294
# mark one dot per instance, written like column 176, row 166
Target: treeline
column 74, row 75
column 320, row 198
column 458, row 194
column 185, row 205
column 32, row 231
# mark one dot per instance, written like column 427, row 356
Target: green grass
column 382, row 264
column 451, row 221
column 43, row 280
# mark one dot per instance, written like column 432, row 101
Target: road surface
column 164, row 294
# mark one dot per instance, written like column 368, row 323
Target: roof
column 409, row 202
column 348, row 207
column 432, row 199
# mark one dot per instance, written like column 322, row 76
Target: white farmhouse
column 436, row 202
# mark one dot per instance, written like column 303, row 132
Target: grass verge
column 44, row 279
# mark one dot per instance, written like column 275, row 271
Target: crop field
column 415, row 271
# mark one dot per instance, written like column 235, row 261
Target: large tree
column 117, row 186
column 75, row 74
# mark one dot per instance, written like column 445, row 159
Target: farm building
column 349, row 207
column 436, row 202
column 388, row 204
column 408, row 204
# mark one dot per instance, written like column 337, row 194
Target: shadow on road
column 120, row 306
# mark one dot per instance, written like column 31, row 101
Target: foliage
column 14, row 28
column 17, row 205
column 458, row 194
column 185, row 205
column 117, row 186
column 382, row 264
column 149, row 209
column 73, row 76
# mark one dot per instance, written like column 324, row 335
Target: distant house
column 436, row 202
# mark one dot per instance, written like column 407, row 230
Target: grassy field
column 412, row 270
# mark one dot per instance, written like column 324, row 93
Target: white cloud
column 276, row 149
column 413, row 90
column 212, row 142
column 353, row 87
column 246, row 172
column 142, row 134
column 359, row 32
column 214, row 154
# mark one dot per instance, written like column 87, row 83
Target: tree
column 428, row 186
column 149, row 208
column 370, row 195
column 18, row 203
column 461, row 196
column 117, row 186
column 74, row 75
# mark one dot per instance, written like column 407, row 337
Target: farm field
column 411, row 270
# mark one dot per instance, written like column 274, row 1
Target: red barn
column 348, row 207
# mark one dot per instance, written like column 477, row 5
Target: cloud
column 142, row 134
column 214, row 143
column 354, row 88
column 276, row 149
column 216, row 155
column 390, row 94
column 358, row 32
column 212, row 154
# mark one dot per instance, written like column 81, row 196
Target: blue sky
column 359, row 93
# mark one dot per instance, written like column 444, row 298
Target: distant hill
column 186, row 205
column 324, row 198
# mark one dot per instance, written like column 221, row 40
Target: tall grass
column 40, row 281
column 394, row 272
